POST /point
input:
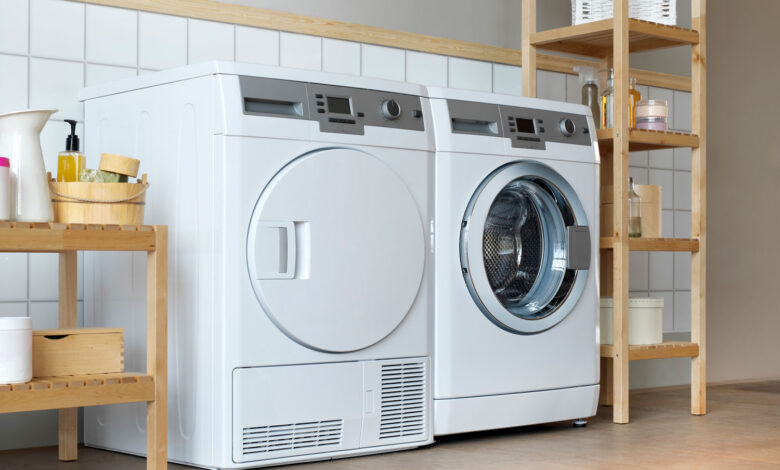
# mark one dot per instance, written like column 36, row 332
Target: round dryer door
column 525, row 247
column 336, row 250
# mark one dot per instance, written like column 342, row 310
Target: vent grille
column 403, row 400
column 265, row 439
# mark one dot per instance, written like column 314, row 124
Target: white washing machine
column 301, row 271
column 516, row 237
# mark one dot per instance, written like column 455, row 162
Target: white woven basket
column 658, row 11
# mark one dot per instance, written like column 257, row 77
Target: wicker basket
column 658, row 11
column 99, row 203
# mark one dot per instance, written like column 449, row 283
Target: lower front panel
column 321, row 410
column 459, row 415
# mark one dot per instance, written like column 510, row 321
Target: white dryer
column 516, row 237
column 300, row 281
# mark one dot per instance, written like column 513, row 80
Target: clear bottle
column 607, row 98
column 634, row 97
column 634, row 211
column 590, row 98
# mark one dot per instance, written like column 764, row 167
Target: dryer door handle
column 274, row 249
column 578, row 247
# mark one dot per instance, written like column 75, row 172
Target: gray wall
column 744, row 190
column 494, row 22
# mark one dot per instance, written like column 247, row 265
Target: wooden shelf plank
column 641, row 139
column 594, row 39
column 665, row 350
column 654, row 244
column 47, row 393
column 53, row 237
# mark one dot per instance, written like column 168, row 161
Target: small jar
column 652, row 108
column 15, row 350
column 651, row 123
column 5, row 189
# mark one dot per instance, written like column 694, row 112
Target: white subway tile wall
column 469, row 74
column 257, row 46
column 426, row 69
column 340, row 56
column 14, row 26
column 209, row 40
column 383, row 62
column 162, row 41
column 507, row 79
column 300, row 51
column 112, row 36
column 48, row 70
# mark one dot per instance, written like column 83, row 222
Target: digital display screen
column 525, row 125
column 339, row 105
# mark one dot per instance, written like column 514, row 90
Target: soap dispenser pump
column 71, row 161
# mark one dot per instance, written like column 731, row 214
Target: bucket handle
column 111, row 201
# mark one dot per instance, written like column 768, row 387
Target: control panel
column 525, row 127
column 344, row 110
column 532, row 128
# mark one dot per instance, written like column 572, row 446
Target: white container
column 5, row 189
column 645, row 320
column 20, row 142
column 15, row 350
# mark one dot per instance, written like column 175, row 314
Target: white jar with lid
column 5, row 189
column 15, row 350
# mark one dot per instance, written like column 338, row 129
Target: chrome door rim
column 471, row 247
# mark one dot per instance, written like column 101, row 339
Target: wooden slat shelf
column 665, row 350
column 641, row 139
column 54, row 237
column 654, row 244
column 594, row 39
column 46, row 393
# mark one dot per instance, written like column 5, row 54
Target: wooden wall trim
column 271, row 19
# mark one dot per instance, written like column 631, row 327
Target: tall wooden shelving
column 611, row 41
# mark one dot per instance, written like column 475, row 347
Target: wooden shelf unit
column 68, row 393
column 654, row 244
column 664, row 350
column 612, row 40
column 595, row 39
column 641, row 139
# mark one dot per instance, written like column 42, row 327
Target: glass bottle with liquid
column 634, row 211
column 70, row 161
column 607, row 98
column 634, row 97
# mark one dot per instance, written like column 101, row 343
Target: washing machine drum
column 525, row 247
column 336, row 250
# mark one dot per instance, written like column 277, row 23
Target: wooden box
column 650, row 196
column 78, row 351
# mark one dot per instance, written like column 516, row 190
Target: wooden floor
column 742, row 430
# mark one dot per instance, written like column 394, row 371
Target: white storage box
column 645, row 320
column 658, row 11
column 15, row 350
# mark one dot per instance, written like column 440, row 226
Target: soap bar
column 119, row 164
column 100, row 176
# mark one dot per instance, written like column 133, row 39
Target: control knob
column 391, row 110
column 567, row 127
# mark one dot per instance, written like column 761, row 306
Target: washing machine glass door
column 525, row 247
column 336, row 250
